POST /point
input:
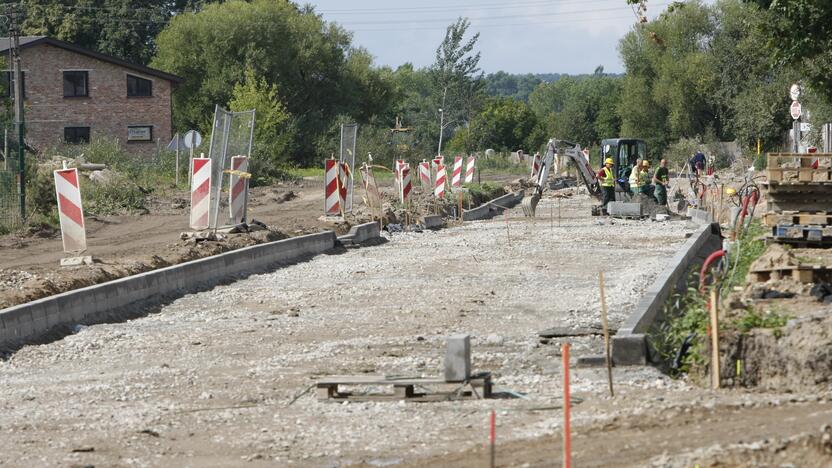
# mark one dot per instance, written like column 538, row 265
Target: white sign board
column 794, row 92
column 805, row 127
column 140, row 133
column 796, row 110
column 192, row 139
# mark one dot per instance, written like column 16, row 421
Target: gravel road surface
column 209, row 379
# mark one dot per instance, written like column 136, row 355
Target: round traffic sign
column 796, row 110
column 192, row 139
column 794, row 92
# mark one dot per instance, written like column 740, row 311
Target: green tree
column 319, row 74
column 273, row 130
column 503, row 124
column 123, row 28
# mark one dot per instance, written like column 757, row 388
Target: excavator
column 623, row 151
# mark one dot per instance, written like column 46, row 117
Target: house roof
column 31, row 41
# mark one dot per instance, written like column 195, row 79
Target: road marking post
column 567, row 403
column 70, row 210
column 469, row 170
column 425, row 176
column 439, row 185
column 406, row 185
column 714, row 340
column 200, row 193
column 332, row 203
column 535, row 166
column 456, row 180
column 238, row 195
column 492, row 438
column 606, row 331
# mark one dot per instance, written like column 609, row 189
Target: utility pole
column 14, row 34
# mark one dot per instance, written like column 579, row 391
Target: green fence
column 9, row 198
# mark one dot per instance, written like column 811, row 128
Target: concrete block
column 432, row 222
column 619, row 208
column 76, row 261
column 597, row 360
column 629, row 350
column 700, row 216
column 458, row 358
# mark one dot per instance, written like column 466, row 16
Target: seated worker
column 644, row 185
column 633, row 179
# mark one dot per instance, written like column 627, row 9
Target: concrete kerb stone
column 361, row 233
column 624, row 209
column 433, row 222
column 490, row 209
column 629, row 345
column 26, row 323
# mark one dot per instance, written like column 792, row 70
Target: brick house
column 73, row 94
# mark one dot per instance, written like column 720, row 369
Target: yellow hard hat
column 645, row 163
column 609, row 161
column 730, row 191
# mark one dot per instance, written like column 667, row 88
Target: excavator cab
column 624, row 153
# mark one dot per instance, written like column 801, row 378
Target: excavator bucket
column 530, row 205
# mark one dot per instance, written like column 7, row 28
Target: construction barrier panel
column 425, row 176
column 535, row 166
column 456, row 180
column 332, row 203
column 407, row 185
column 70, row 210
column 200, row 193
column 238, row 195
column 439, row 186
column 469, row 169
column 345, row 179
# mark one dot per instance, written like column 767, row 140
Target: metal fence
column 347, row 155
column 231, row 136
column 9, row 193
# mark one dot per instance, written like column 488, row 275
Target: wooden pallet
column 803, row 274
column 479, row 386
column 797, row 232
column 790, row 168
column 807, row 218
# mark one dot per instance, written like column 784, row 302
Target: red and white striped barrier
column 238, row 195
column 68, row 191
column 439, row 186
column 535, row 166
column 332, row 204
column 456, row 180
column 397, row 174
column 407, row 184
column 424, row 175
column 200, row 193
column 469, row 169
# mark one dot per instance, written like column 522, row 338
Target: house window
column 76, row 134
column 140, row 133
column 76, row 84
column 137, row 87
column 8, row 84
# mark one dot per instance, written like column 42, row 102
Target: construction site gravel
column 223, row 377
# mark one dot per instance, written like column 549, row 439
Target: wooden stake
column 492, row 438
column 606, row 331
column 508, row 233
column 714, row 341
column 567, row 403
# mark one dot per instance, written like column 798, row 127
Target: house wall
column 107, row 110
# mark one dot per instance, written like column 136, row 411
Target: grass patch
column 755, row 319
column 481, row 193
column 686, row 315
column 751, row 247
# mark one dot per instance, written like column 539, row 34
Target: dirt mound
column 798, row 356
column 32, row 287
column 775, row 257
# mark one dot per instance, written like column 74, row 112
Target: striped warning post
column 535, row 166
column 238, row 195
column 439, row 186
column 469, row 169
column 68, row 191
column 200, row 193
column 456, row 180
column 407, row 184
column 424, row 175
column 332, row 205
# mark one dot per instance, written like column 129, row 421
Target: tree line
column 697, row 72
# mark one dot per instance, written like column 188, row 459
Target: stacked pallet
column 799, row 199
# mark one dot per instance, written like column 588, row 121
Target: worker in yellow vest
column 607, row 178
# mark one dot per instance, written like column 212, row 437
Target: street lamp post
column 441, row 130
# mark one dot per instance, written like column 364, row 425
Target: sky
column 521, row 36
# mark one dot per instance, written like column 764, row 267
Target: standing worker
column 633, row 179
column 607, row 178
column 661, row 178
column 644, row 185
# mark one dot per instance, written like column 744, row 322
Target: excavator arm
column 561, row 149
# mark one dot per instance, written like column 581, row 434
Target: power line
column 496, row 25
column 481, row 6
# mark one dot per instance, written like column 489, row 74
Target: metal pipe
column 707, row 264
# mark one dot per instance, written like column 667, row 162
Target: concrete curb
column 433, row 222
column 629, row 345
column 27, row 323
column 494, row 207
column 361, row 233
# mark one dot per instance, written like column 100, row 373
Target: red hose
column 711, row 258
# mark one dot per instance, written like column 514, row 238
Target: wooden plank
column 821, row 219
column 382, row 380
